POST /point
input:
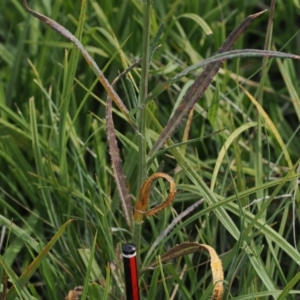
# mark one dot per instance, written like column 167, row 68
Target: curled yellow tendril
column 141, row 205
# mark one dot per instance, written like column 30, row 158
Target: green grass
column 238, row 151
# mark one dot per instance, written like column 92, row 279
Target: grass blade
column 218, row 58
column 26, row 275
column 117, row 165
column 200, row 85
column 69, row 75
column 289, row 287
column 216, row 264
column 67, row 34
column 18, row 286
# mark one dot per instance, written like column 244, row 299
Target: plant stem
column 141, row 116
column 137, row 240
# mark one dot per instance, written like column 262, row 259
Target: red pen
column 130, row 272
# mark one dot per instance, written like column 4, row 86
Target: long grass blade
column 218, row 58
column 216, row 263
column 26, row 275
column 116, row 161
column 68, row 35
column 69, row 75
column 272, row 127
column 19, row 289
column 200, row 85
column 222, row 153
column 289, row 287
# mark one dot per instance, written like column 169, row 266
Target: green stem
column 141, row 117
column 137, row 229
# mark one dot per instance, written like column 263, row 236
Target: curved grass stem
column 141, row 116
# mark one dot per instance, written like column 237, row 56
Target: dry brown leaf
column 74, row 294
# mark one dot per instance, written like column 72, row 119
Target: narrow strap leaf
column 116, row 162
column 217, row 57
column 68, row 35
column 200, row 85
column 215, row 264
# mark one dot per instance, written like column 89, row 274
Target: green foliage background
column 54, row 162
